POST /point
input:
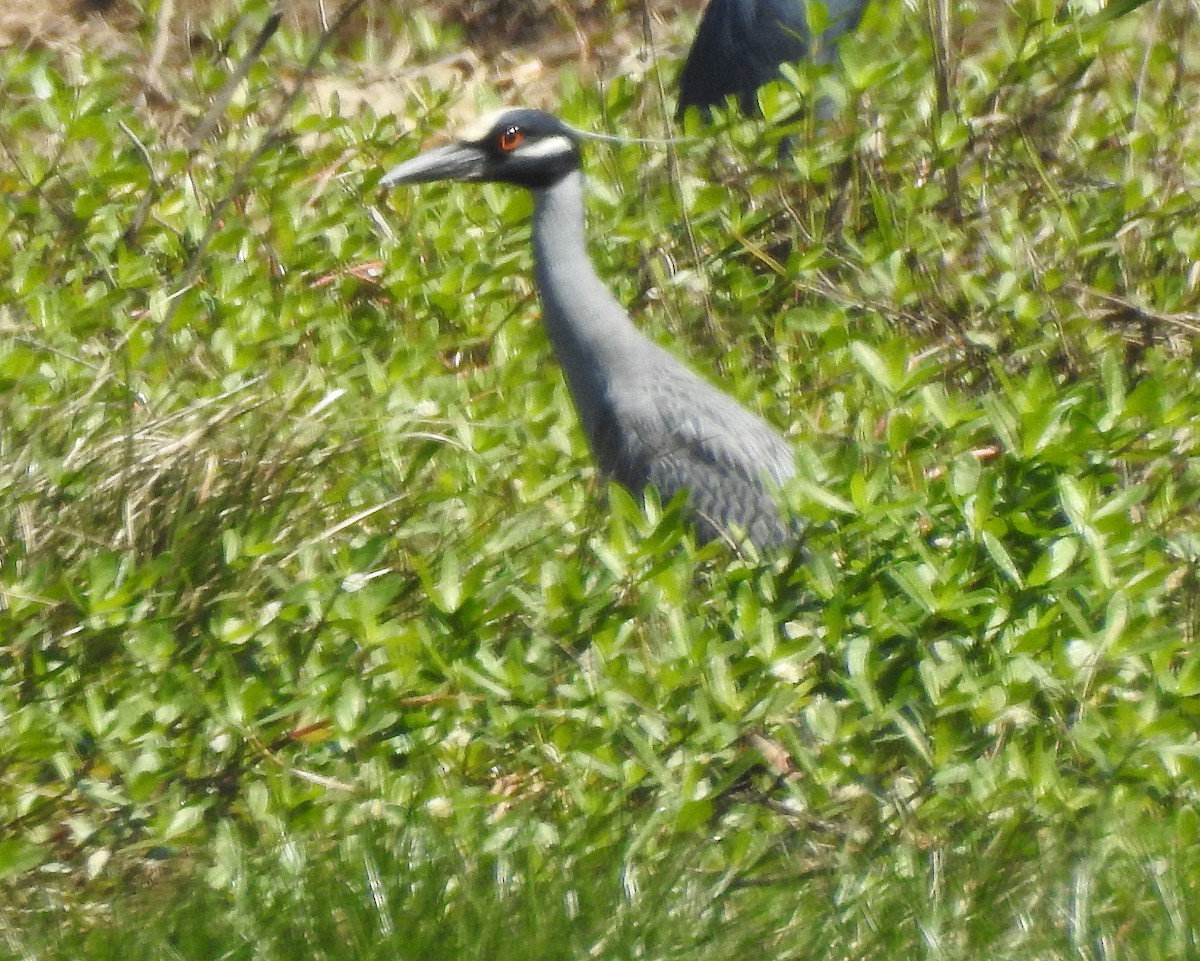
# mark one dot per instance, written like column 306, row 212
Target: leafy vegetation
column 315, row 618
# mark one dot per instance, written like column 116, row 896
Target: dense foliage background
column 317, row 627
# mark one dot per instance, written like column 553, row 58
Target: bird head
column 529, row 148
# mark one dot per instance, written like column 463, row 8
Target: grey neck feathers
column 593, row 337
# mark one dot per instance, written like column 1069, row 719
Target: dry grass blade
column 1116, row 307
column 137, row 486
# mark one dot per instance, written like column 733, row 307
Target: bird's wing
column 675, row 431
column 739, row 46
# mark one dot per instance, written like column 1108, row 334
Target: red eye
column 510, row 139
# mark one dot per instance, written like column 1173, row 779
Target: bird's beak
column 455, row 161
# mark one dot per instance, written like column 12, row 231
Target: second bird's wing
column 739, row 46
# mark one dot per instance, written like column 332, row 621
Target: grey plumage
column 648, row 418
column 741, row 44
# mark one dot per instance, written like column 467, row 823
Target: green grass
column 303, row 566
column 414, row 892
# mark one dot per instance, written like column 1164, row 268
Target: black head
column 529, row 148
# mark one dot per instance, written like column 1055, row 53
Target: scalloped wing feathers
column 675, row 431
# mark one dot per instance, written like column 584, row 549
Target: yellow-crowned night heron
column 741, row 44
column 649, row 419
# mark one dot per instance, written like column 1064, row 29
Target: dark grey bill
column 455, row 161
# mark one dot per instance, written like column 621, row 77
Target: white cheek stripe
column 555, row 146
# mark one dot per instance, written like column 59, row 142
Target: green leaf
column 18, row 855
column 823, row 496
column 883, row 373
column 1003, row 559
column 1075, row 502
column 183, row 821
column 1054, row 562
column 446, row 592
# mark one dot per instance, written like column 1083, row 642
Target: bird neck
column 590, row 331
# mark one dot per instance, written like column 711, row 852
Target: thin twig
column 1116, row 303
column 270, row 135
column 673, row 171
column 158, row 53
column 938, row 14
column 150, row 196
column 350, row 521
column 221, row 101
